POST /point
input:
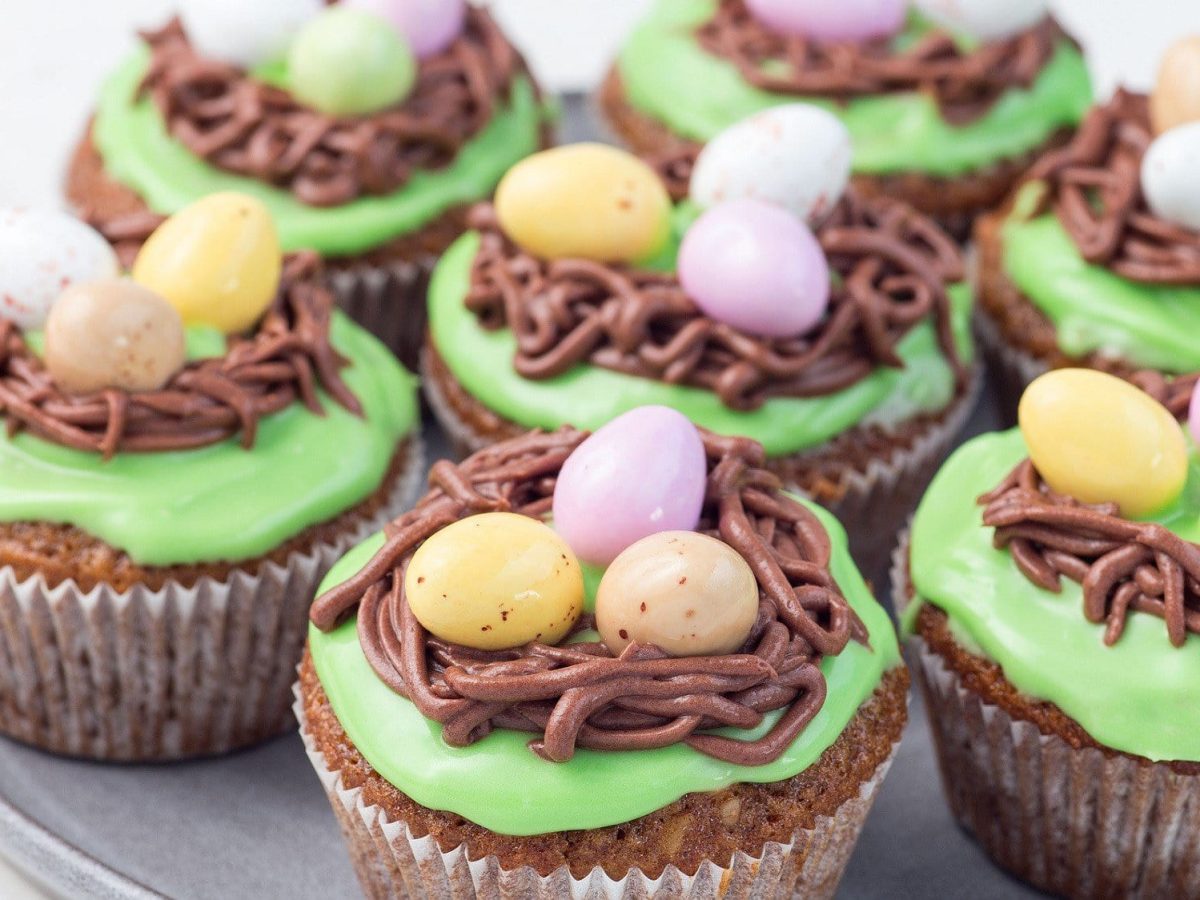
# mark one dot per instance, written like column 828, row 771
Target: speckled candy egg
column 1099, row 439
column 217, row 261
column 985, row 20
column 756, row 267
column 112, row 333
column 1175, row 99
column 645, row 471
column 429, row 26
column 494, row 581
column 796, row 156
column 1169, row 175
column 688, row 593
column 831, row 20
column 588, row 201
column 42, row 252
column 245, row 33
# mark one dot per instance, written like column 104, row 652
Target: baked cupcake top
column 355, row 123
column 157, row 410
column 684, row 625
column 940, row 88
column 1077, row 568
column 584, row 292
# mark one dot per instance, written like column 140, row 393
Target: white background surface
column 52, row 53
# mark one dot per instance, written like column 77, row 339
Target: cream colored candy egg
column 1175, row 99
column 686, row 592
column 112, row 333
column 494, row 581
column 586, row 201
column 1099, row 439
column 217, row 261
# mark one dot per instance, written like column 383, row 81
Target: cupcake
column 769, row 301
column 366, row 128
column 683, row 688
column 1095, row 261
column 185, row 453
column 948, row 103
column 1055, row 634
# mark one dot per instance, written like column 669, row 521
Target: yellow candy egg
column 685, row 592
column 1099, row 439
column 216, row 261
column 494, row 581
column 1175, row 99
column 586, row 201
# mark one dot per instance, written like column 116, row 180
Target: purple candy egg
column 832, row 20
column 756, row 267
column 429, row 26
column 642, row 473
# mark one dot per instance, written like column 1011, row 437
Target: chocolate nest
column 578, row 694
column 206, row 402
column 1094, row 187
column 965, row 84
column 891, row 264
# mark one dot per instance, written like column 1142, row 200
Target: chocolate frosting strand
column 577, row 694
column 242, row 125
column 208, row 401
column 964, row 84
column 1093, row 185
column 1123, row 566
column 893, row 265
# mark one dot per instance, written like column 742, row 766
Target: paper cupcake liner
column 387, row 300
column 393, row 863
column 1071, row 821
column 1009, row 369
column 150, row 675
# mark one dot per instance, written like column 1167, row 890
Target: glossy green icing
column 1093, row 309
column 138, row 151
column 1141, row 695
column 222, row 502
column 668, row 76
column 589, row 396
column 500, row 784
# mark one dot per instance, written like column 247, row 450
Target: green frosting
column 1093, row 309
column 668, row 76
column 502, row 785
column 1141, row 696
column 588, row 396
column 223, row 502
column 139, row 152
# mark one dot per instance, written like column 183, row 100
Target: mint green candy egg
column 348, row 62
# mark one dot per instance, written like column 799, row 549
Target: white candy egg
column 43, row 252
column 1169, row 175
column 987, row 20
column 245, row 32
column 796, row 156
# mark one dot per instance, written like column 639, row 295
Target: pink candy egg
column 429, row 26
column 756, row 267
column 642, row 473
column 1193, row 419
column 831, row 20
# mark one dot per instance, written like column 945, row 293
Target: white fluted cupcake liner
column 387, row 300
column 393, row 863
column 151, row 675
column 1009, row 368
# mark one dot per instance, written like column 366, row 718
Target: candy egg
column 217, row 261
column 494, row 581
column 1099, row 439
column 245, row 34
column 831, row 20
column 1169, row 175
column 1175, row 99
column 587, row 201
column 756, row 267
column 349, row 62
column 41, row 253
column 688, row 593
column 796, row 156
column 986, row 20
column 1193, row 419
column 643, row 472
column 429, row 26
column 112, row 333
